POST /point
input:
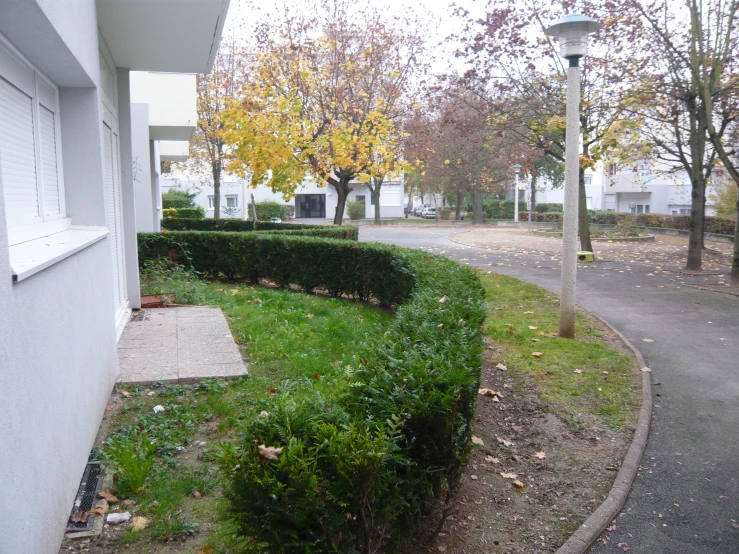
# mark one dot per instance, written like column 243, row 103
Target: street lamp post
column 572, row 31
column 517, row 169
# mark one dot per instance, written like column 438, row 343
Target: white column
column 569, row 229
column 515, row 201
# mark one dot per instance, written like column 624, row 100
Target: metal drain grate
column 92, row 482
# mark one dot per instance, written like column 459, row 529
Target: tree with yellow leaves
column 325, row 100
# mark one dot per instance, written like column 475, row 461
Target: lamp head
column 572, row 31
column 516, row 168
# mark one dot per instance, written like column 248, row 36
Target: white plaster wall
column 172, row 100
column 141, row 163
column 57, row 337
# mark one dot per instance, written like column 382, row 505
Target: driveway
column 685, row 499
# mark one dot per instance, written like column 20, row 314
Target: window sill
column 30, row 257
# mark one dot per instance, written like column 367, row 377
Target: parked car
column 429, row 213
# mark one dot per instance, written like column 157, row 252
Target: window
column 232, row 201
column 211, row 202
column 30, row 147
column 684, row 211
column 588, row 180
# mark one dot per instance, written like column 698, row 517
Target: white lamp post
column 517, row 169
column 572, row 31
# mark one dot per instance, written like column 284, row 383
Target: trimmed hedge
column 361, row 270
column 365, row 455
column 548, row 207
column 197, row 212
column 268, row 209
column 718, row 225
column 502, row 209
column 238, row 225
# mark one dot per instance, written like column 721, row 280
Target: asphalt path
column 685, row 498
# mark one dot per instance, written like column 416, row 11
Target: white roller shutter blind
column 18, row 155
column 49, row 165
column 110, row 210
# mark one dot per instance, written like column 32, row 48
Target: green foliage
column 268, row 209
column 177, row 198
column 363, row 460
column 544, row 207
column 361, row 270
column 211, row 224
column 356, row 209
column 131, row 457
column 445, row 213
column 501, row 209
column 197, row 212
column 548, row 217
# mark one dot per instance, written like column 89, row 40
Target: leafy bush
column 445, row 213
column 544, row 207
column 211, row 224
column 362, row 270
column 356, row 209
column 268, row 209
column 198, row 212
column 131, row 459
column 548, row 217
column 502, row 209
column 353, row 469
column 178, row 198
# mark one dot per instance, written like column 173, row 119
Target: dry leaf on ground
column 139, row 523
column 505, row 442
column 646, row 369
column 518, row 484
column 477, row 441
column 541, row 455
column 109, row 497
column 269, row 452
column 502, row 367
column 647, row 340
column 536, row 354
column 508, row 475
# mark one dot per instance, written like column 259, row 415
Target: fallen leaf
column 197, row 494
column 310, row 316
column 264, row 413
column 518, row 484
column 532, row 328
column 492, row 460
column 269, row 452
column 578, row 370
column 139, row 523
column 109, row 497
column 645, row 369
column 647, row 340
column 473, row 477
column 502, row 367
column 125, row 394
column 477, row 440
column 206, row 550
column 234, row 292
column 79, row 517
column 508, row 475
column 541, row 455
column 518, row 428
column 442, row 300
column 505, row 442
column 536, row 354
column 489, row 392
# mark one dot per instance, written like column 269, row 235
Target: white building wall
column 141, row 161
column 57, row 338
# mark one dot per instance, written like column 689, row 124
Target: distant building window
column 232, row 201
column 588, row 180
column 684, row 211
column 211, row 202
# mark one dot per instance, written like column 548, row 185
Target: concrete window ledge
column 30, row 257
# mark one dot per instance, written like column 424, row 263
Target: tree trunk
column 697, row 221
column 216, row 190
column 583, row 219
column 375, row 192
column 458, row 211
column 477, row 205
column 342, row 192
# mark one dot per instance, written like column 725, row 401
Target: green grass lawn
column 579, row 377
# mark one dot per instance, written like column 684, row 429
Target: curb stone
column 582, row 539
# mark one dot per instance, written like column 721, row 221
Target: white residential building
column 68, row 221
column 311, row 200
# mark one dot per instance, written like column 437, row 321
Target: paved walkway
column 685, row 499
column 178, row 345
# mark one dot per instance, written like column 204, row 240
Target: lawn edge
column 584, row 537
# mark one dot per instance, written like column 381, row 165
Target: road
column 685, row 498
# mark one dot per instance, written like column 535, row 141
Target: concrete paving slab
column 178, row 345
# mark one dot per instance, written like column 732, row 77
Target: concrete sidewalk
column 685, row 499
column 178, row 345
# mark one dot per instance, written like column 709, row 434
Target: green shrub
column 548, row 217
column 445, row 213
column 177, row 198
column 548, row 207
column 169, row 213
column 361, row 270
column 718, row 225
column 356, row 209
column 198, row 212
column 268, row 209
column 501, row 209
column 360, row 464
column 239, row 225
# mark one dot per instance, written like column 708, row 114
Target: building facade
column 68, row 264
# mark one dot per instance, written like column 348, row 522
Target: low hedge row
column 361, row 459
column 718, row 225
column 361, row 270
column 547, row 207
column 501, row 209
column 184, row 213
column 210, row 224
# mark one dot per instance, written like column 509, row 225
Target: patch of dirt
column 566, row 471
